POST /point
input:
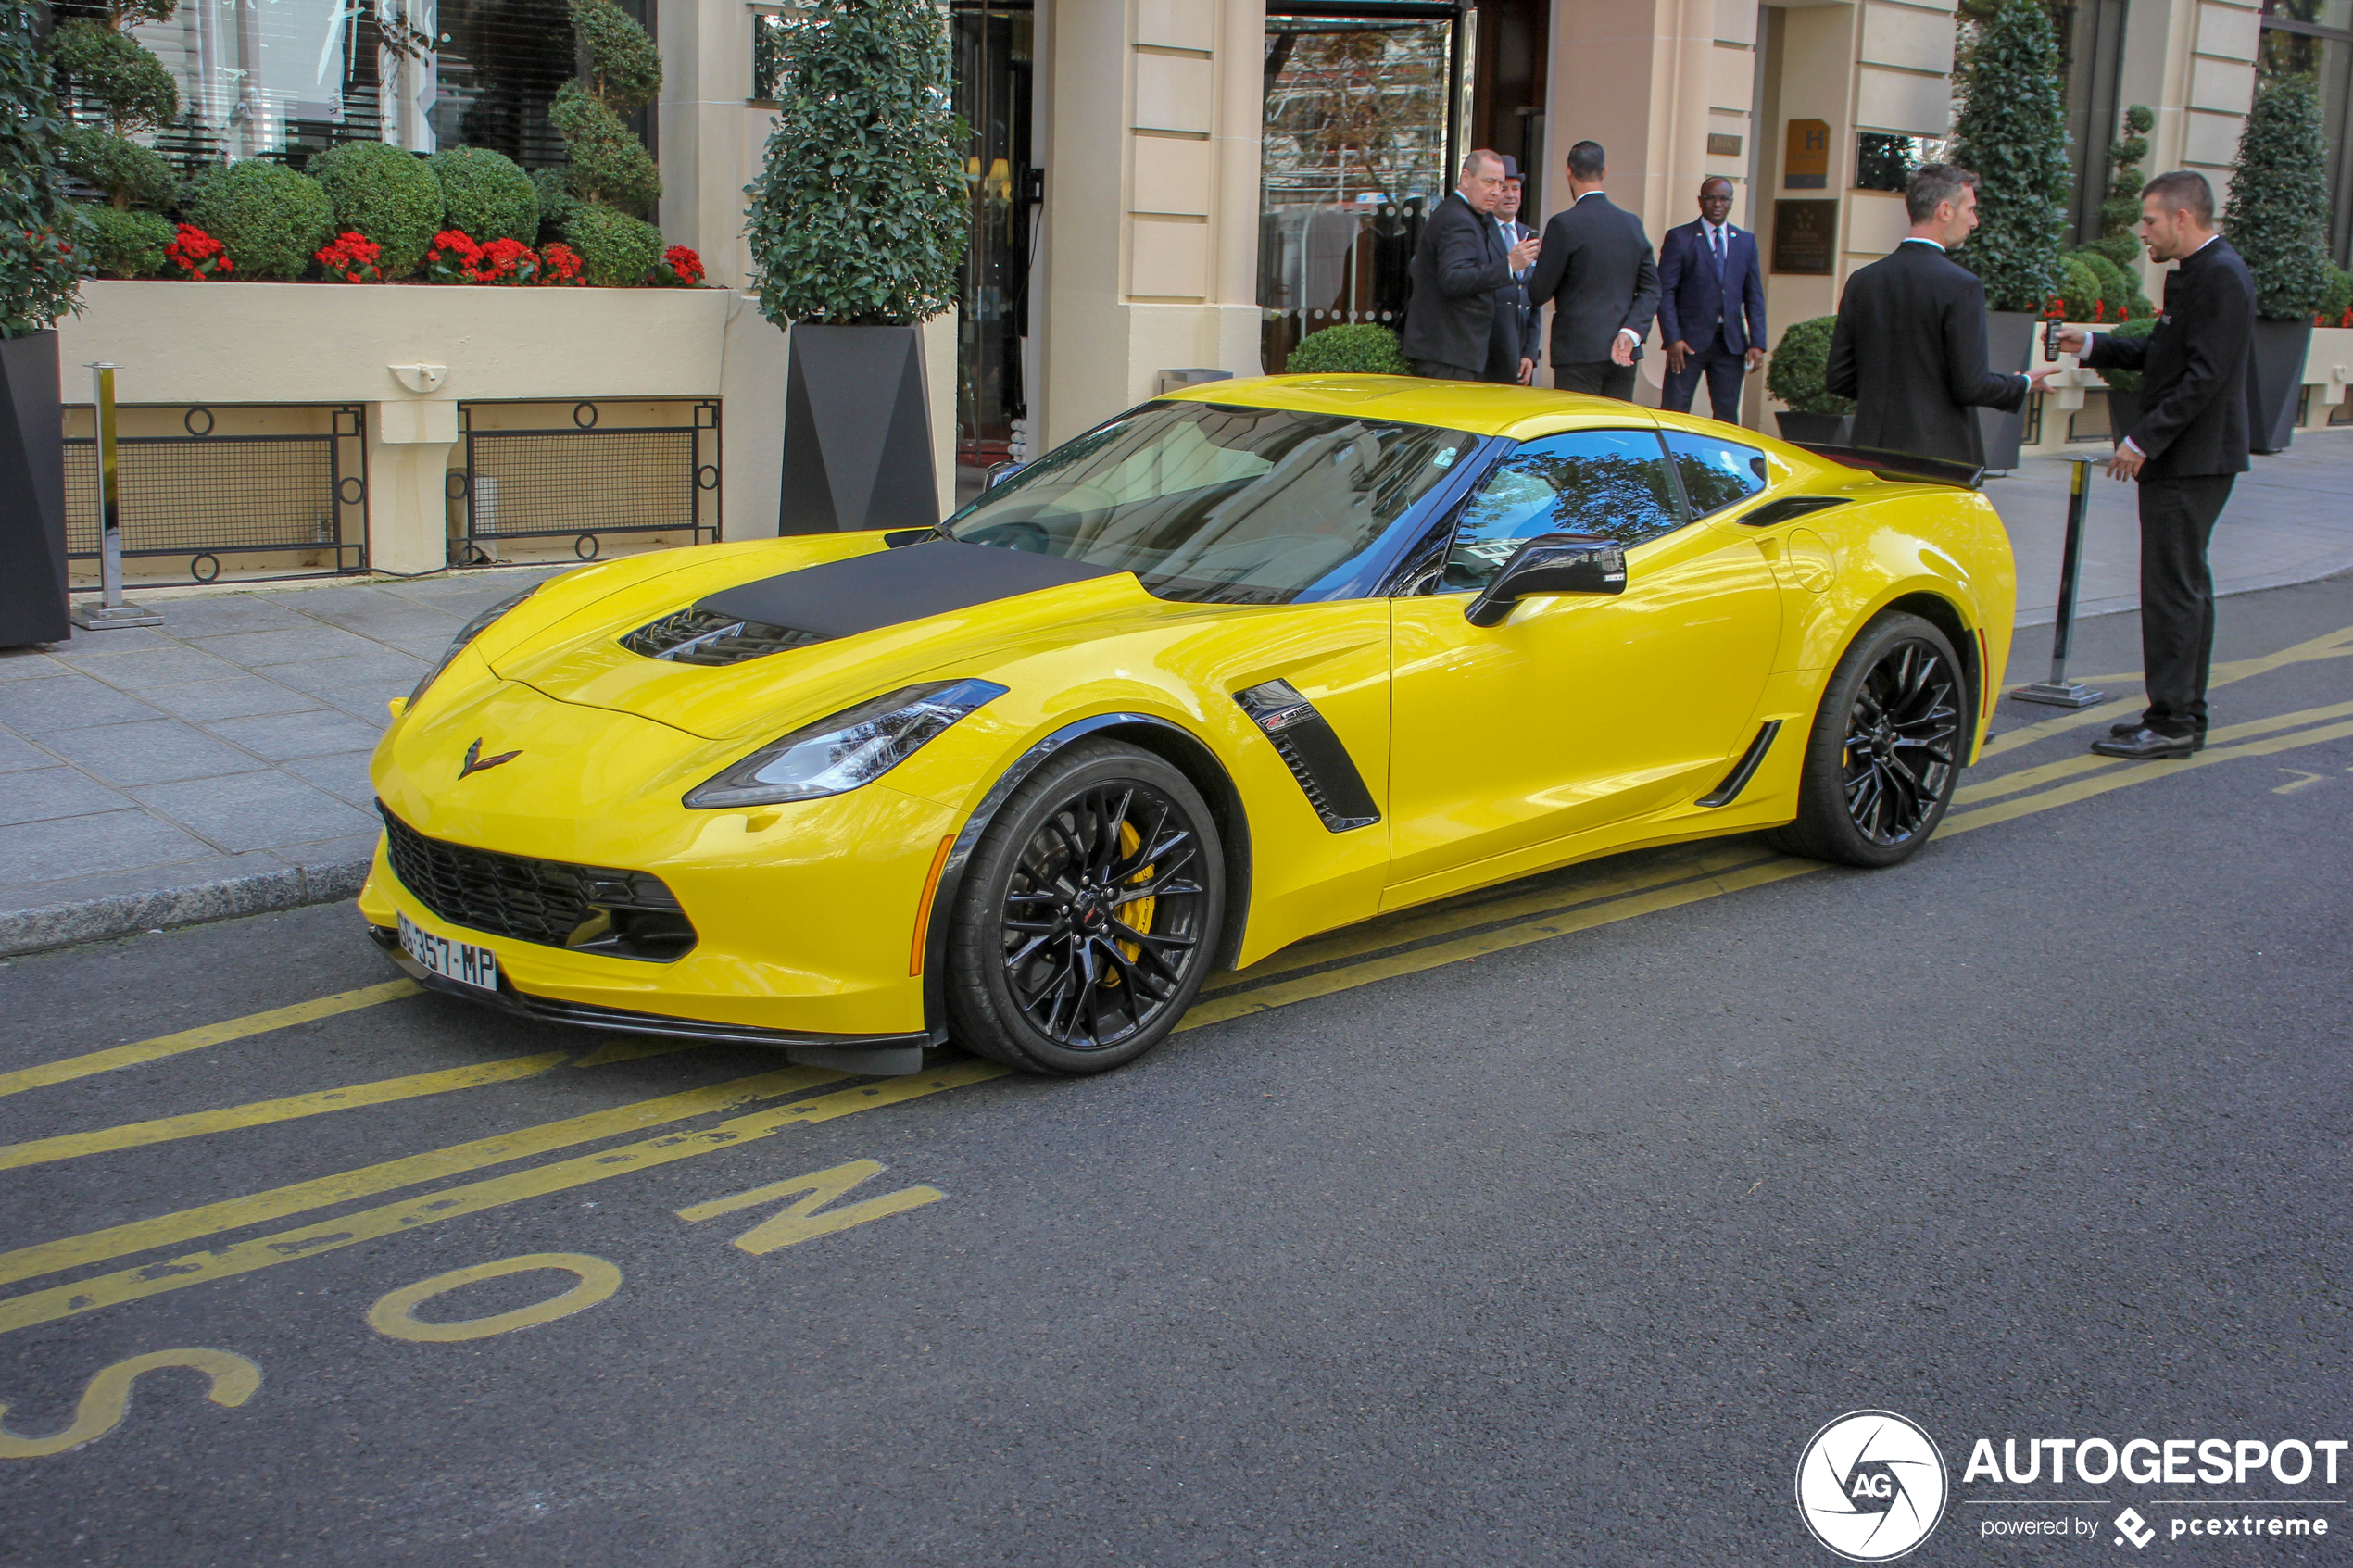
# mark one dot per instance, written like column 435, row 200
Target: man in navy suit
column 1711, row 308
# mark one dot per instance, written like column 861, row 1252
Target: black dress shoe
column 2147, row 746
column 2134, row 726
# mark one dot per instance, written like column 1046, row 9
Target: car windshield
column 1218, row 502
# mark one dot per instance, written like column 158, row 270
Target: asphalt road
column 1543, row 1228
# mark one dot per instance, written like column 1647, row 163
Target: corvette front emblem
column 476, row 762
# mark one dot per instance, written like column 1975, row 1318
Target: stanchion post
column 2058, row 691
column 113, row 610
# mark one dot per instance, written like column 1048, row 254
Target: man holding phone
column 2190, row 444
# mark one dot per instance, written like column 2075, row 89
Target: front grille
column 549, row 902
column 702, row 636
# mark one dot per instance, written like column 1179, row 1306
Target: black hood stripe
column 844, row 597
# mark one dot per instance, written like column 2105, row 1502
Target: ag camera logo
column 1871, row 1486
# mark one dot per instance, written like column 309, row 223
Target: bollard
column 113, row 610
column 2058, row 691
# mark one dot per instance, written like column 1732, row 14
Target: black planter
column 2273, row 383
column 32, row 493
column 1821, row 430
column 856, row 432
column 2009, row 338
column 2123, row 413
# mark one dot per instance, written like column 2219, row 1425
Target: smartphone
column 2050, row 341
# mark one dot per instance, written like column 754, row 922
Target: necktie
column 1715, row 244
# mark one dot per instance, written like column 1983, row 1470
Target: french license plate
column 461, row 961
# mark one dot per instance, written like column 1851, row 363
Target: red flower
column 558, row 264
column 678, row 269
column 450, row 257
column 503, row 261
column 198, row 254
column 353, row 257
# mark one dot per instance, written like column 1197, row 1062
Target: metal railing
column 584, row 478
column 204, row 496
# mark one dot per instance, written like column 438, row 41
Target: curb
column 127, row 914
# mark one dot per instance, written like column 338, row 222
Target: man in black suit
column 1910, row 342
column 1461, row 324
column 1531, row 319
column 1711, row 306
column 1597, row 272
column 2190, row 444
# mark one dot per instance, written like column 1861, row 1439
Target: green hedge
column 486, row 196
column 1363, row 348
column 271, row 219
column 2079, row 289
column 616, row 250
column 1800, row 365
column 386, row 193
column 122, row 244
column 130, row 174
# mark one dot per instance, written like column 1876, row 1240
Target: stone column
column 408, row 445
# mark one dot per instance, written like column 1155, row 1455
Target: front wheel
column 1886, row 748
column 1089, row 917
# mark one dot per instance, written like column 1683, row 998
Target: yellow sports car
column 1237, row 667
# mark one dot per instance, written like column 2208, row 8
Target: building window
column 2091, row 41
column 1885, row 162
column 2315, row 38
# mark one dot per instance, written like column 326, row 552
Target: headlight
column 466, row 634
column 848, row 750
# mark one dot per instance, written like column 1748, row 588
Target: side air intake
column 1305, row 739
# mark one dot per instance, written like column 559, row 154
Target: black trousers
column 2177, row 596
column 1724, row 370
column 1603, row 378
column 1438, row 370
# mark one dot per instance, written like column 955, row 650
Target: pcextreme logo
column 1871, row 1486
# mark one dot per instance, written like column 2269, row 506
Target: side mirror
column 1551, row 563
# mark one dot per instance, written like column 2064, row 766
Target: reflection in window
column 1715, row 473
column 2315, row 38
column 1613, row 483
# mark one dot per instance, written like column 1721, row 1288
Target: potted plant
column 2012, row 130
column 113, row 73
column 857, row 226
column 2277, row 219
column 1361, row 349
column 1797, row 375
column 40, row 272
column 612, row 177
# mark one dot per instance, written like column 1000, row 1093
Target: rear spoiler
column 1900, row 466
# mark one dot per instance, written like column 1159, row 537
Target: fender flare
column 1182, row 748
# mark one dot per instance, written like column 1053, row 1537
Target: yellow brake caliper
column 1138, row 915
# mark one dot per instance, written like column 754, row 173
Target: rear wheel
column 1089, row 917
column 1886, row 748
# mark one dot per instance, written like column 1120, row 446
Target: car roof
column 1480, row 407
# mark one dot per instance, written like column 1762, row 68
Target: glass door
column 1358, row 146
column 993, row 76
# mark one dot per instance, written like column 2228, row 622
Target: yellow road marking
column 2140, row 773
column 450, row 1203
column 2301, row 779
column 2075, row 767
column 2330, row 644
column 367, row 1181
column 230, row 1381
column 137, row 1135
column 800, row 1220
column 197, row 1039
column 395, row 1314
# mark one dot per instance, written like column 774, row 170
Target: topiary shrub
column 40, row 262
column 486, row 195
column 609, row 164
column 270, row 218
column 2077, row 298
column 2121, row 211
column 860, row 214
column 2336, row 306
column 2116, row 290
column 1800, row 367
column 130, row 174
column 2012, row 130
column 616, row 250
column 383, row 191
column 122, row 244
column 1363, row 348
column 556, row 204
column 118, row 71
column 2130, row 380
column 2277, row 217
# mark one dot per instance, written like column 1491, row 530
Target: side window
column 1716, row 474
column 1613, row 483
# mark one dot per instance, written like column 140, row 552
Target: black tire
column 1046, row 974
column 1886, row 748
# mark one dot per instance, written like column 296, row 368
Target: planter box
column 32, row 493
column 2010, row 342
column 2274, row 383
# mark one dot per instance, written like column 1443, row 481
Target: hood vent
column 702, row 636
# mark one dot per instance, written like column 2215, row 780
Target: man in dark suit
column 1711, row 306
column 1531, row 317
column 2190, row 444
column 1597, row 272
column 1910, row 346
column 1460, row 324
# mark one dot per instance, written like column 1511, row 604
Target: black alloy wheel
column 1886, row 748
column 1089, row 915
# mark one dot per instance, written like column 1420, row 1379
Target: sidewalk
column 217, row 765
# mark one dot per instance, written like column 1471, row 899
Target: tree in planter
column 1799, row 374
column 2276, row 219
column 610, row 174
column 858, row 225
column 40, row 272
column 2012, row 130
column 2121, row 211
column 112, row 70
